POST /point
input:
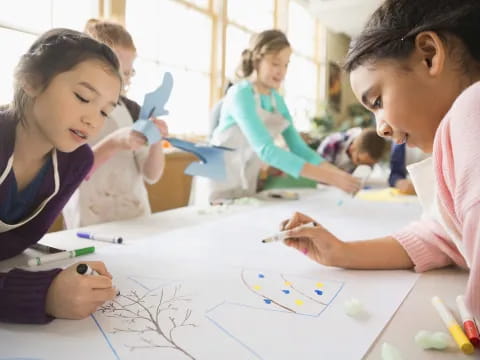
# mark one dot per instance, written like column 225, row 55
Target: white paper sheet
column 214, row 291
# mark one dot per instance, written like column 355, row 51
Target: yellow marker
column 319, row 285
column 299, row 302
column 288, row 283
column 455, row 330
column 257, row 287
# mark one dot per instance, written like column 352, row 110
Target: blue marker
column 111, row 239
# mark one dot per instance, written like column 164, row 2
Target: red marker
column 469, row 326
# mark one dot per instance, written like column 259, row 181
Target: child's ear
column 431, row 50
column 30, row 86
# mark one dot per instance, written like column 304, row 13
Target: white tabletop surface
column 415, row 313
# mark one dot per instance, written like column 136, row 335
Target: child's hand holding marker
column 314, row 241
column 325, row 248
column 74, row 296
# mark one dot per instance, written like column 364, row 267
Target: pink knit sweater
column 456, row 162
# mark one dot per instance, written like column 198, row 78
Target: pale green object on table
column 353, row 307
column 433, row 340
column 390, row 352
column 288, row 182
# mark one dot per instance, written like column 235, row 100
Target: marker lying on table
column 40, row 260
column 45, row 248
column 455, row 330
column 468, row 321
column 282, row 235
column 85, row 269
column 111, row 239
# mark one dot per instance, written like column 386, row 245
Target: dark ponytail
column 390, row 33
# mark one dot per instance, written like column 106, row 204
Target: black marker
column 85, row 269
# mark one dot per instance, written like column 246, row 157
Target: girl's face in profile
column 73, row 107
column 410, row 97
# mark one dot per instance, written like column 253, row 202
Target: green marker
column 40, row 260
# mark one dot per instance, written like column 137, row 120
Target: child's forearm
column 154, row 164
column 103, row 151
column 381, row 253
column 325, row 172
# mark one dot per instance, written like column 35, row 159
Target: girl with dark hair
column 65, row 86
column 253, row 114
column 416, row 66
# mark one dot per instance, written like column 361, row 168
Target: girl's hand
column 317, row 242
column 347, row 182
column 405, row 186
column 161, row 125
column 128, row 139
column 75, row 296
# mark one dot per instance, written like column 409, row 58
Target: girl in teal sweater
column 254, row 114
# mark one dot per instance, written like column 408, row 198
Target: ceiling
column 344, row 16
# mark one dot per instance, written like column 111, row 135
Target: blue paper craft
column 212, row 162
column 154, row 102
column 154, row 105
column 149, row 129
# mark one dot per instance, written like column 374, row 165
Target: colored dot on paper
column 340, row 203
column 286, row 291
column 288, row 283
column 267, row 301
column 318, row 292
column 319, row 285
column 261, row 276
column 299, row 302
column 257, row 287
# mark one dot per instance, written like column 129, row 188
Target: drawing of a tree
column 147, row 316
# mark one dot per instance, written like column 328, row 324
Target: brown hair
column 268, row 41
column 109, row 33
column 371, row 143
column 55, row 52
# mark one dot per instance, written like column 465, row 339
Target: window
column 171, row 36
column 237, row 41
column 301, row 29
column 23, row 20
column 256, row 15
column 301, row 83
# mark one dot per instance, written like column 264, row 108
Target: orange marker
column 468, row 322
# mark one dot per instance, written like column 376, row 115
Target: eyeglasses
column 129, row 73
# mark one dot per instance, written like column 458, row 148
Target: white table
column 415, row 314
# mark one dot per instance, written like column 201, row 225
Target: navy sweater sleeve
column 398, row 169
column 23, row 293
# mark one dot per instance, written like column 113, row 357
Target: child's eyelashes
column 85, row 101
column 82, row 99
column 377, row 104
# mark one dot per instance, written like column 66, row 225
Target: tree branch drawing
column 145, row 320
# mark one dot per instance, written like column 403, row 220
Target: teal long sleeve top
column 239, row 108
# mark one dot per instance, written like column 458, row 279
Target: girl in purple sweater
column 65, row 86
column 416, row 66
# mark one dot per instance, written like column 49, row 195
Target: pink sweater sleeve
column 471, row 231
column 428, row 246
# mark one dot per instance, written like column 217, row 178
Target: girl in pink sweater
column 416, row 66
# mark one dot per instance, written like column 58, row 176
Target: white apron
column 425, row 183
column 116, row 190
column 242, row 165
column 4, row 227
